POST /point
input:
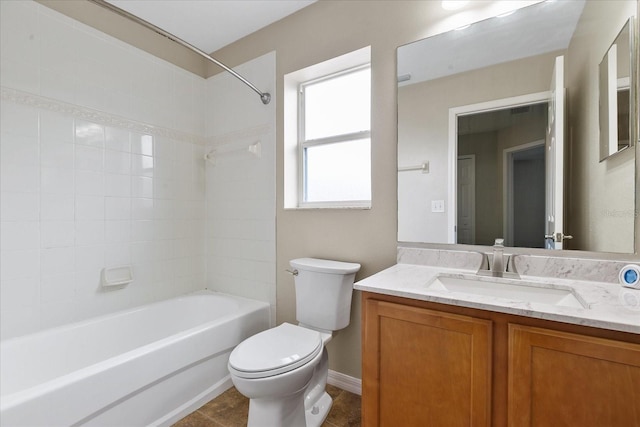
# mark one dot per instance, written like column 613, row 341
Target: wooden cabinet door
column 425, row 368
column 562, row 379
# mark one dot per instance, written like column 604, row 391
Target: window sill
column 327, row 207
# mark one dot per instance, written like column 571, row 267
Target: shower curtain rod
column 264, row 96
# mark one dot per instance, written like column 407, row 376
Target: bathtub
column 149, row 365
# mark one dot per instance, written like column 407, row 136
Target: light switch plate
column 437, row 206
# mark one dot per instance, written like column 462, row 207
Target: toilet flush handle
column 292, row 272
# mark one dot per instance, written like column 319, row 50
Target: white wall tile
column 56, row 261
column 19, row 150
column 143, row 230
column 117, row 185
column 24, row 179
column 86, row 285
column 164, row 208
column 89, row 158
column 89, row 233
column 18, row 294
column 57, row 207
column 77, row 194
column 56, row 128
column 87, row 133
column 142, row 165
column 142, row 186
column 89, row 208
column 57, row 46
column 142, row 252
column 89, row 183
column 117, row 255
column 117, row 231
column 18, row 120
column 17, row 264
column 20, row 20
column 57, row 181
column 164, row 147
column 141, row 144
column 89, row 258
column 240, row 215
column 163, row 168
column 117, row 208
column 21, row 75
column 56, row 154
column 58, row 85
column 117, row 162
column 57, row 234
column 58, row 287
column 19, row 206
column 19, row 235
column 117, row 139
column 142, row 209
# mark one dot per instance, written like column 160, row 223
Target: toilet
column 283, row 370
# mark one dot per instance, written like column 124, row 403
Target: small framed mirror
column 615, row 106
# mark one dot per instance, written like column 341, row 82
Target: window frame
column 303, row 143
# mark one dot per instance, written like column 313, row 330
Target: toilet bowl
column 283, row 370
column 274, row 369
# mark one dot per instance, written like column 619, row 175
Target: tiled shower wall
column 101, row 165
column 240, row 185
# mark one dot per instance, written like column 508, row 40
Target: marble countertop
column 610, row 305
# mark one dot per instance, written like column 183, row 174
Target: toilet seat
column 275, row 351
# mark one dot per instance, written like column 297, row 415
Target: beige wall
column 317, row 33
column 602, row 193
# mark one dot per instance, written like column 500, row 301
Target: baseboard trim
column 345, row 382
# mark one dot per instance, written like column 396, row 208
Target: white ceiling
column 540, row 28
column 211, row 24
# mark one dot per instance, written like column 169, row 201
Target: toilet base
column 284, row 411
column 316, row 415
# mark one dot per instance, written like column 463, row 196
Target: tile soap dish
column 116, row 276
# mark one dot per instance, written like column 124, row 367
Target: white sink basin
column 509, row 289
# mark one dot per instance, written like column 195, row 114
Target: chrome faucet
column 497, row 265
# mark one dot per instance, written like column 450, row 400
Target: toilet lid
column 275, row 351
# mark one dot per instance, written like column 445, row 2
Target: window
column 335, row 138
column 331, row 144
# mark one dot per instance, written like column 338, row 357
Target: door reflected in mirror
column 501, row 159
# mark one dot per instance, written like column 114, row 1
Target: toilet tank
column 323, row 292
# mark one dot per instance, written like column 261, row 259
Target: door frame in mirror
column 454, row 113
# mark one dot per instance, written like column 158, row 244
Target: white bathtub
column 150, row 365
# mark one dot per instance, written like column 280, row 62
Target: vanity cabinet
column 430, row 364
column 563, row 379
column 426, row 365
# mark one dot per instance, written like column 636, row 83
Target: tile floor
column 230, row 410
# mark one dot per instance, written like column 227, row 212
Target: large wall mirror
column 499, row 131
